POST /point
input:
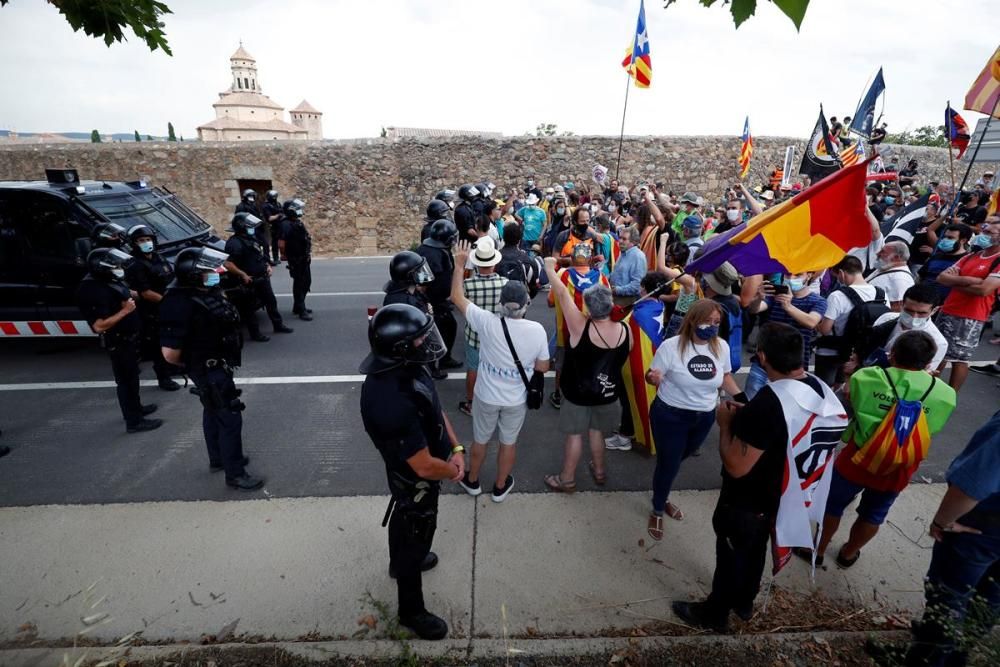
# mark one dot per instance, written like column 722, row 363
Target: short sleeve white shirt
column 930, row 330
column 499, row 382
column 894, row 281
column 691, row 381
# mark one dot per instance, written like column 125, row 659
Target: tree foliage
column 137, row 137
column 170, row 132
column 108, row 18
column 95, row 137
column 928, row 135
column 550, row 130
column 744, row 9
column 149, row 138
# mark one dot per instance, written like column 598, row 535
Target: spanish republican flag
column 637, row 61
column 994, row 204
column 985, row 91
column 576, row 283
column 646, row 325
column 809, row 232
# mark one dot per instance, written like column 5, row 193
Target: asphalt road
column 302, row 427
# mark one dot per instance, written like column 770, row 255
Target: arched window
column 253, row 84
column 239, row 84
column 246, row 83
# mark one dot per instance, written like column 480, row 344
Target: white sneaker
column 618, row 442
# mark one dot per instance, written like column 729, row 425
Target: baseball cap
column 514, row 293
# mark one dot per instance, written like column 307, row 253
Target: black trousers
column 221, row 418
column 411, row 532
column 740, row 554
column 149, row 346
column 275, row 234
column 444, row 318
column 300, row 270
column 124, row 355
column 625, row 426
column 258, row 291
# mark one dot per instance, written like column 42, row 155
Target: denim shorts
column 874, row 505
column 471, row 358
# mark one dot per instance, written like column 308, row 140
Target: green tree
column 927, row 135
column 149, row 138
column 546, row 130
column 182, row 137
column 137, row 137
column 95, row 137
column 744, row 9
column 107, row 18
column 170, row 132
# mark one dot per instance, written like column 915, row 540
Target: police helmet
column 138, row 231
column 468, row 192
column 449, row 197
column 401, row 334
column 443, row 233
column 108, row 235
column 191, row 263
column 486, row 189
column 245, row 221
column 294, row 208
column 272, row 196
column 437, row 210
column 107, row 263
column 249, row 195
column 409, row 268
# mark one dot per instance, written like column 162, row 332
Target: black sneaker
column 429, row 563
column 425, row 625
column 259, row 338
column 281, row 328
column 167, row 384
column 987, row 369
column 465, row 407
column 696, row 614
column 472, row 488
column 148, row 409
column 305, row 316
column 245, row 482
column 144, row 425
column 555, row 398
column 499, row 495
column 218, row 467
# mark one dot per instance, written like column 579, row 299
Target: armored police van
column 46, row 233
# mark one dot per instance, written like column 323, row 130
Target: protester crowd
column 867, row 356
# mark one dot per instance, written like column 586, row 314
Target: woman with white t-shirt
column 688, row 371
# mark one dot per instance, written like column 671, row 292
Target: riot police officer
column 409, row 277
column 108, row 235
column 248, row 204
column 465, row 212
column 148, row 275
column 249, row 264
column 200, row 330
column 274, row 218
column 436, row 210
column 295, row 245
column 402, row 414
column 436, row 249
column 108, row 305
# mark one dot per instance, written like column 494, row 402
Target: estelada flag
column 647, row 328
column 985, row 91
column 637, row 61
column 958, row 131
column 746, row 149
column 576, row 283
column 811, row 231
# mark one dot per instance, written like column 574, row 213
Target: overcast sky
column 500, row 66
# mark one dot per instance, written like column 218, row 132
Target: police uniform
column 266, row 238
column 205, row 327
column 98, row 300
column 150, row 273
column 441, row 262
column 298, row 253
column 396, row 292
column 247, row 253
column 402, row 415
column 275, row 227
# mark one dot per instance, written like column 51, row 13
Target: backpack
column 874, row 352
column 735, row 339
column 512, row 268
column 902, row 438
column 860, row 322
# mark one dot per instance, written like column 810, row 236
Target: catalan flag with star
column 746, row 150
column 637, row 61
column 984, row 96
column 576, row 281
column 645, row 323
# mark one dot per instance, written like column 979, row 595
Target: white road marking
column 312, row 294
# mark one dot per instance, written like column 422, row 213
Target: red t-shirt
column 971, row 306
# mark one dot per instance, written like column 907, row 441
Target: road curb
column 452, row 651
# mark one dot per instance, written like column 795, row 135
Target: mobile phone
column 775, row 278
column 781, row 289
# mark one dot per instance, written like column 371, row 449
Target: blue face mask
column 946, row 245
column 890, row 200
column 211, row 279
column 706, row 331
column 982, row 241
column 796, row 284
column 561, row 211
column 146, row 246
column 251, row 231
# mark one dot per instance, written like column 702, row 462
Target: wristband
column 457, row 449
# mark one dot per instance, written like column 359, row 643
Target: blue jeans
column 963, row 567
column 678, row 434
column 756, row 379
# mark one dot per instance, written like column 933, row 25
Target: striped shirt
column 484, row 291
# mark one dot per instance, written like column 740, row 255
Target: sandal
column 555, row 483
column 807, row 555
column 654, row 527
column 599, row 479
column 845, row 564
column 674, row 512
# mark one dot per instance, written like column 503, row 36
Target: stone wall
column 367, row 197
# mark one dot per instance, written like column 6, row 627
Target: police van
column 46, row 232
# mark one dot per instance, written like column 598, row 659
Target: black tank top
column 592, row 375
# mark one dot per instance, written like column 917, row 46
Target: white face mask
column 910, row 322
column 118, row 273
column 733, row 214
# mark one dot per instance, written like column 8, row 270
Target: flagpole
column 621, row 138
column 951, row 158
column 972, row 160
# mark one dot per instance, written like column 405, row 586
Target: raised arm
column 458, row 276
column 752, row 203
column 575, row 320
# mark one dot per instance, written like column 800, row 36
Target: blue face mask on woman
column 946, row 245
column 982, row 241
column 211, row 279
column 706, row 331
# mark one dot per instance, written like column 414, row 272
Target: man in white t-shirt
column 829, row 360
column 500, row 396
column 919, row 305
column 868, row 255
column 893, row 274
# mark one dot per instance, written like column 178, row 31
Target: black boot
column 167, row 384
column 279, row 327
column 425, row 625
column 700, row 615
column 429, row 562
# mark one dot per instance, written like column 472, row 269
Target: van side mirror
column 83, row 247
